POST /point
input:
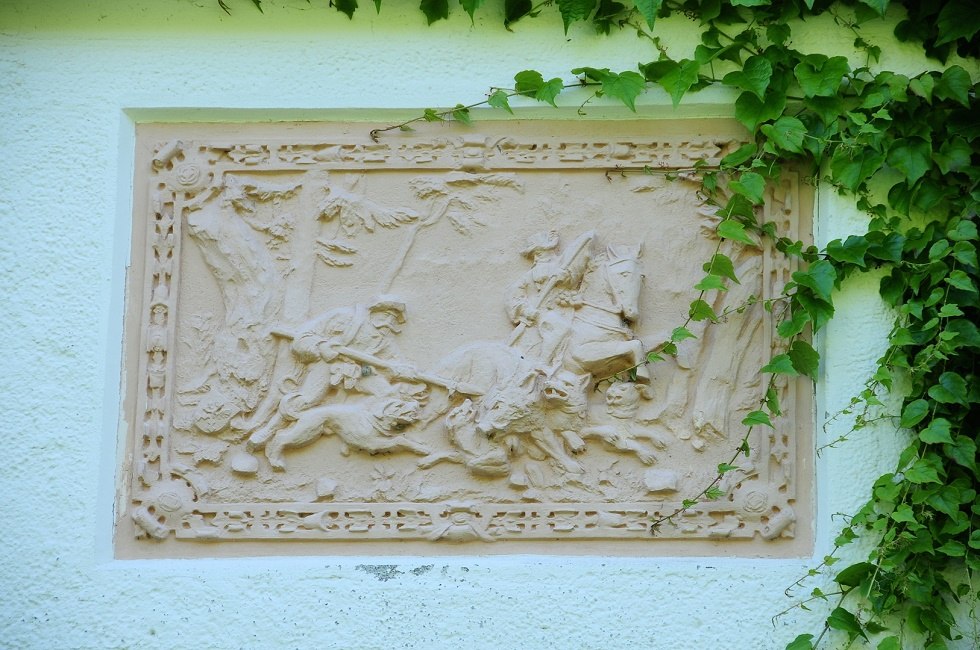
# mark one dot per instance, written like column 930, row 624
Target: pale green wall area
column 73, row 78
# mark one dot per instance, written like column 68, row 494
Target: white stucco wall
column 72, row 82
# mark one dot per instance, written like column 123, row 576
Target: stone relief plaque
column 435, row 343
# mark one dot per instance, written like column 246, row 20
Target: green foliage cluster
column 906, row 148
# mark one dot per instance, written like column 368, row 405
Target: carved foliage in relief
column 454, row 354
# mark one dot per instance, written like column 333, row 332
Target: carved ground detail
column 440, row 338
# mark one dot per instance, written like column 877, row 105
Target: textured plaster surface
column 72, row 80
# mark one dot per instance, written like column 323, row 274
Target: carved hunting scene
column 445, row 339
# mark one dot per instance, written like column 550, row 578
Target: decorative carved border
column 166, row 499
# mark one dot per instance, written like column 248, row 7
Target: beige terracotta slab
column 435, row 343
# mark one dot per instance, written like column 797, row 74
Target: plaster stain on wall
column 383, row 572
column 425, row 568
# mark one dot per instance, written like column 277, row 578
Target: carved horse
column 602, row 342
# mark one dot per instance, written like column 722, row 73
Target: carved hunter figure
column 346, row 349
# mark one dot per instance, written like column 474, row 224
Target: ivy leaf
column 751, row 112
column 731, row 229
column 805, row 359
column 793, row 326
column 435, row 9
column 750, row 185
column 851, row 250
column 828, row 109
column 955, row 83
column 820, row 311
column 756, row 418
column 963, row 451
column 854, row 574
column 938, row 431
column 680, row 334
column 680, row 79
column 852, row 167
column 911, row 156
column 700, row 310
column 802, row 642
column 572, row 10
column 964, row 231
column 514, row 10
column 951, row 389
column 346, row 7
column 778, row 33
column 914, row 412
column 787, row 133
column 887, row 248
column 903, row 514
column 958, row 19
column 721, row 264
column 740, row 155
column 820, row 277
column 772, row 401
column 499, row 99
column 845, row 621
column 879, row 6
column 952, row 548
column 530, row 83
column 470, row 6
column 711, row 283
column 967, row 333
column 462, row 114
column 961, row 280
column 781, row 364
column 432, row 115
column 751, row 3
column 649, row 10
column 954, row 155
column 754, row 76
column 922, row 472
column 818, row 75
column 551, row 89
column 625, row 86
column 923, row 86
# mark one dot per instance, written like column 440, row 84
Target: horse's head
column 625, row 278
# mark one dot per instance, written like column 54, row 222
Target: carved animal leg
column 574, row 441
column 646, row 456
column 551, row 445
column 658, row 440
column 302, row 432
column 258, row 439
column 404, row 442
column 273, row 451
column 435, row 458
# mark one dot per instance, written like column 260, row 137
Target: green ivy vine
column 906, row 149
